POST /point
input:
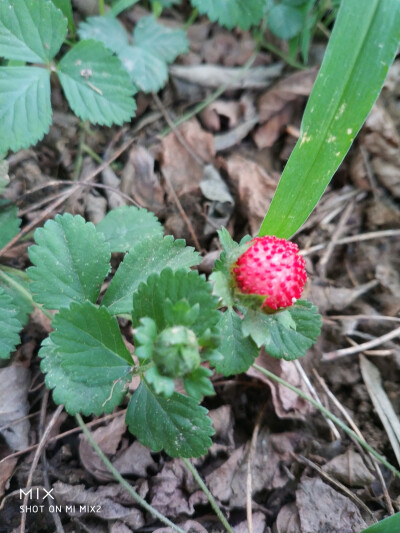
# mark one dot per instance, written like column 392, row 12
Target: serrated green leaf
column 10, row 326
column 149, row 299
column 85, row 360
column 163, row 385
column 222, row 288
column 30, row 30
column 10, row 279
column 108, row 30
column 276, row 332
column 159, row 40
column 285, row 21
column 146, row 258
column 198, row 384
column 177, row 424
column 96, row 86
column 9, row 223
column 148, row 72
column 342, row 97
column 239, row 351
column 66, row 8
column 231, row 13
column 126, row 226
column 71, row 261
column 25, row 108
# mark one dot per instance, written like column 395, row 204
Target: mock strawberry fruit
column 273, row 268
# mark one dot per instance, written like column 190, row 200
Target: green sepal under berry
column 223, row 285
column 10, row 326
column 177, row 424
column 70, row 262
column 85, row 360
column 239, row 351
column 286, row 334
column 146, row 257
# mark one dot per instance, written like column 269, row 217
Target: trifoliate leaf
column 287, row 334
column 285, row 21
column 147, row 71
column 198, row 384
column 149, row 299
column 9, row 222
column 11, row 280
column 126, row 226
column 147, row 257
column 71, row 261
column 85, row 360
column 108, row 30
column 231, row 13
column 176, row 424
column 31, row 30
column 25, row 108
column 96, row 86
column 10, row 326
column 159, row 40
column 239, row 351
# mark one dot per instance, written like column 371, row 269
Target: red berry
column 273, row 268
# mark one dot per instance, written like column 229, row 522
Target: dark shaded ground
column 222, row 167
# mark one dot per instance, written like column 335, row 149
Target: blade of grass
column 355, row 65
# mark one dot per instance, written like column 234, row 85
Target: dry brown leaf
column 190, row 526
column 6, row 471
column 108, row 437
column 321, row 508
column 266, row 134
column 221, row 114
column 254, row 186
column 258, row 524
column 178, row 165
column 349, row 468
column 288, row 520
column 14, row 385
column 135, row 460
column 287, row 403
column 140, row 182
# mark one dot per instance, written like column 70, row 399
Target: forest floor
column 221, row 167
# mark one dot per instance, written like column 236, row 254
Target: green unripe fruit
column 176, row 352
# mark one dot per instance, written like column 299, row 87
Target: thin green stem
column 210, row 497
column 292, row 62
column 25, row 293
column 122, row 481
column 191, row 19
column 329, row 415
column 101, row 7
column 211, row 98
column 86, row 149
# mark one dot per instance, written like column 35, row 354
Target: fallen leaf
column 221, row 114
column 258, row 524
column 7, row 467
column 350, row 469
column 288, row 520
column 135, row 460
column 14, row 386
column 190, row 526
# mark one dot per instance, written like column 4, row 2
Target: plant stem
column 329, row 415
column 292, row 62
column 25, row 293
column 210, row 497
column 122, row 481
column 191, row 19
column 101, row 7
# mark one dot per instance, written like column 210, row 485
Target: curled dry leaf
column 14, row 385
column 349, row 468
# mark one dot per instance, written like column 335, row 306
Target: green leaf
column 239, row 351
column 147, row 257
column 10, row 280
column 159, row 40
column 176, row 424
column 231, row 13
column 96, row 86
column 148, row 72
column 166, row 3
column 126, row 226
column 343, row 95
column 25, row 108
column 9, row 222
column 222, row 288
column 388, row 525
column 163, row 385
column 287, row 334
column 66, row 8
column 121, row 5
column 198, row 384
column 30, row 30
column 85, row 360
column 285, row 21
column 71, row 262
column 150, row 297
column 107, row 30
column 145, row 335
column 10, row 326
